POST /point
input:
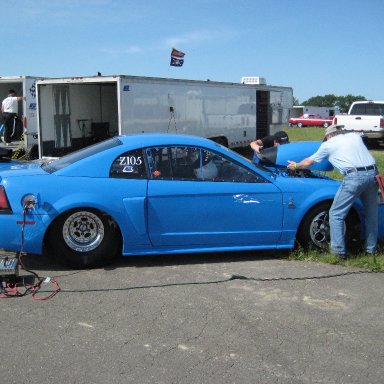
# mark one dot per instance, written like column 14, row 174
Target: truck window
column 368, row 109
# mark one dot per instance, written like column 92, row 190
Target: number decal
column 131, row 160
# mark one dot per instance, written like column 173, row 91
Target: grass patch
column 359, row 261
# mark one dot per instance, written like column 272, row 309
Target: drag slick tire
column 85, row 238
column 314, row 230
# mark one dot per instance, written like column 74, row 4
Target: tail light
column 381, row 123
column 4, row 203
column 334, row 121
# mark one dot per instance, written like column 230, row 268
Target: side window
column 172, row 163
column 215, row 167
column 191, row 163
column 130, row 165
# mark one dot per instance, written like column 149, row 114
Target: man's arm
column 303, row 164
column 257, row 145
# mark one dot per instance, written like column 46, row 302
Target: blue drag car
column 163, row 194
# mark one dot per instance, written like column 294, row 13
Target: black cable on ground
column 230, row 278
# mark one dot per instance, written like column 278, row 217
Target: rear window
column 73, row 157
column 368, row 109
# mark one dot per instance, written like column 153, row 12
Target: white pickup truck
column 364, row 116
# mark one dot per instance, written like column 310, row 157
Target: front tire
column 326, row 125
column 85, row 238
column 314, row 230
column 300, row 125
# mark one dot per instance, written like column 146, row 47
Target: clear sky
column 317, row 47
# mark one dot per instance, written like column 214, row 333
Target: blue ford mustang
column 162, row 193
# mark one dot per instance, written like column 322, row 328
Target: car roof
column 85, row 166
column 149, row 139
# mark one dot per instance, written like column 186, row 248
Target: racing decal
column 126, row 88
column 131, row 160
column 130, row 165
column 32, row 91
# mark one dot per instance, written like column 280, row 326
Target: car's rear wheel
column 85, row 238
column 314, row 231
column 299, row 125
column 326, row 125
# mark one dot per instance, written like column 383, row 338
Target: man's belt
column 360, row 169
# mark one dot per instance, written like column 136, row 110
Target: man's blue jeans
column 356, row 184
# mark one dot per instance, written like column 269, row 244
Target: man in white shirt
column 9, row 109
column 347, row 152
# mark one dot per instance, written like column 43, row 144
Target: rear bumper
column 374, row 135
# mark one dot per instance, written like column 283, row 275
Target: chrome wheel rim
column 319, row 230
column 83, row 231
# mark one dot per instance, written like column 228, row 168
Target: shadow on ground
column 46, row 262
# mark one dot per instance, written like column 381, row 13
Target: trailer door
column 263, row 114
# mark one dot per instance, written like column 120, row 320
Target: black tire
column 314, row 230
column 326, row 125
column 84, row 238
column 300, row 125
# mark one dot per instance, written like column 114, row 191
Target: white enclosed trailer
column 300, row 110
column 76, row 112
column 23, row 86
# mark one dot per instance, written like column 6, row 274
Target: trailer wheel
column 299, row 125
column 326, row 125
column 85, row 238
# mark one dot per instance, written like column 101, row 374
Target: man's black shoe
column 343, row 256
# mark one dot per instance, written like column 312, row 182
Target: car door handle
column 358, row 118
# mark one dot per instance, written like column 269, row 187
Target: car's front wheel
column 326, row 125
column 85, row 238
column 299, row 125
column 314, row 231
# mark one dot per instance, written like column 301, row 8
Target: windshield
column 73, row 157
column 259, row 165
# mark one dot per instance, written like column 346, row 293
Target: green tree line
column 342, row 102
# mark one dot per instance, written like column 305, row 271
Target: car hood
column 279, row 156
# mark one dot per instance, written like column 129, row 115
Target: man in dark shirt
column 270, row 141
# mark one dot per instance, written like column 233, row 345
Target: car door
column 192, row 204
column 128, row 191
